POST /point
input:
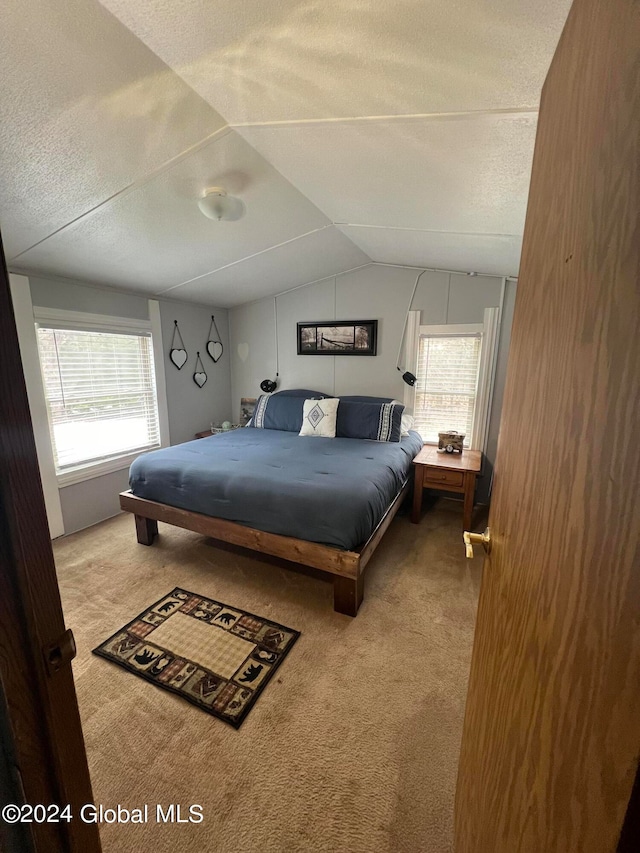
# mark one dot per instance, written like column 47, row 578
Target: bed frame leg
column 146, row 529
column 347, row 594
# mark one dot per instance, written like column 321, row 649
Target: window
column 99, row 385
column 447, row 383
column 454, row 369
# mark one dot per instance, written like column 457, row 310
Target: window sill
column 99, row 469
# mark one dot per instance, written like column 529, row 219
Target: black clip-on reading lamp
column 270, row 385
column 407, row 376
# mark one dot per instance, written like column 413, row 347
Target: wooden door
column 41, row 711
column 552, row 726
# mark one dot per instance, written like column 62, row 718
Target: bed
column 321, row 501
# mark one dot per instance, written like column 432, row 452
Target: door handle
column 62, row 652
column 483, row 539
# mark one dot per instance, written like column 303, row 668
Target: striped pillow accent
column 387, row 423
column 259, row 412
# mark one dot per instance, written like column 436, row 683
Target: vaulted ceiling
column 354, row 131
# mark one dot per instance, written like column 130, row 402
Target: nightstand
column 207, row 433
column 447, row 472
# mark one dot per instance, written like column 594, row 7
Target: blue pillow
column 376, row 421
column 274, row 411
column 301, row 392
column 353, row 399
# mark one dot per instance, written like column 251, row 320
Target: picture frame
column 247, row 406
column 338, row 337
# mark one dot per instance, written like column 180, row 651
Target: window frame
column 55, row 318
column 489, row 331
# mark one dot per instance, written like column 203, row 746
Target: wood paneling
column 552, row 728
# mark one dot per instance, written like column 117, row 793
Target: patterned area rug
column 217, row 657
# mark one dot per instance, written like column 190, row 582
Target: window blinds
column 100, row 393
column 446, row 387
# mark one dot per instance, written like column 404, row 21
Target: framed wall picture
column 338, row 337
column 247, row 405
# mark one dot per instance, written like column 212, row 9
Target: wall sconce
column 407, row 376
column 217, row 204
column 270, row 385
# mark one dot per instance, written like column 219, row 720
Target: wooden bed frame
column 347, row 567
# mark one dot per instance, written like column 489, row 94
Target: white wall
column 190, row 408
column 23, row 315
column 372, row 292
column 499, row 380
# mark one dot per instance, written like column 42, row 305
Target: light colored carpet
column 354, row 745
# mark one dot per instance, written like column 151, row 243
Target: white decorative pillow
column 319, row 417
column 406, row 424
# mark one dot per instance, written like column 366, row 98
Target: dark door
column 42, row 731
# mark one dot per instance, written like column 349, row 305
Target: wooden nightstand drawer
column 442, row 477
column 448, row 473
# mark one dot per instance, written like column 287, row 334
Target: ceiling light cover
column 217, row 204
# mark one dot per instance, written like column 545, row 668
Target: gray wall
column 372, row 292
column 191, row 409
column 248, row 336
column 91, row 501
column 75, row 296
column 498, row 387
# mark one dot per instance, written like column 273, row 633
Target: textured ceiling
column 454, row 179
column 85, row 110
column 286, row 60
column 398, row 132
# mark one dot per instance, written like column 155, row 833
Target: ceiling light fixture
column 217, row 204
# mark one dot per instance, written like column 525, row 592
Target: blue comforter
column 328, row 490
